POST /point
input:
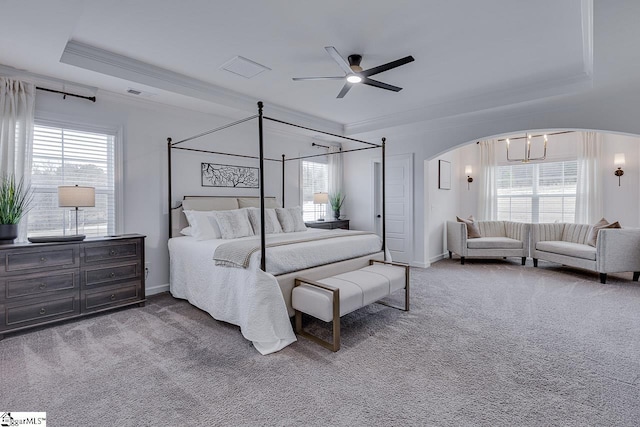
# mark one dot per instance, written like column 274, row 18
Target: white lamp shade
column 320, row 198
column 618, row 159
column 468, row 170
column 76, row 196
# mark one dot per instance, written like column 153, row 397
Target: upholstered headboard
column 213, row 203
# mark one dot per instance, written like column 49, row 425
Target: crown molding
column 102, row 61
column 476, row 104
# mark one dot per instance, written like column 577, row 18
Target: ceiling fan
column 355, row 74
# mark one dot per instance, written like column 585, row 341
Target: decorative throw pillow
column 285, row 219
column 271, row 223
column 298, row 221
column 186, row 231
column 234, row 224
column 203, row 224
column 473, row 232
column 603, row 223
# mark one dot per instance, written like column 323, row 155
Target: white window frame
column 317, row 212
column 117, row 132
column 535, row 196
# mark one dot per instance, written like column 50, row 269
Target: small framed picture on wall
column 444, row 175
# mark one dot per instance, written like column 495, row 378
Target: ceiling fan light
column 354, row 79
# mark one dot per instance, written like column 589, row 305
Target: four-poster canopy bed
column 258, row 297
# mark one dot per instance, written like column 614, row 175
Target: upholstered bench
column 330, row 298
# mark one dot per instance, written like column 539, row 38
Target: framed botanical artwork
column 444, row 175
column 216, row 175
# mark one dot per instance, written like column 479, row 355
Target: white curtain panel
column 17, row 101
column 488, row 198
column 589, row 204
column 335, row 168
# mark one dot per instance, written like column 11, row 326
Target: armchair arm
column 618, row 250
column 457, row 237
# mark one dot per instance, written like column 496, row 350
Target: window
column 541, row 192
column 66, row 156
column 315, row 179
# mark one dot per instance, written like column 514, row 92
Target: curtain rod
column 89, row 98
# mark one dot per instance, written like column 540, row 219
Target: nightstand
column 329, row 225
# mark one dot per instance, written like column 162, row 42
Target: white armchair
column 498, row 239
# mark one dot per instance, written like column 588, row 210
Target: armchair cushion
column 494, row 243
column 576, row 250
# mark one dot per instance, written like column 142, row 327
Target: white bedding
column 251, row 298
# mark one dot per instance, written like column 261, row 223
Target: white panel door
column 399, row 207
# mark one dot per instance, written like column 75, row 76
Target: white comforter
column 251, row 298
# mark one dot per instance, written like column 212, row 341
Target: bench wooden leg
column 636, row 276
column 407, row 280
column 333, row 345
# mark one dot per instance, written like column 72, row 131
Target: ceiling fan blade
column 344, row 90
column 387, row 66
column 339, row 59
column 318, row 78
column 371, row 82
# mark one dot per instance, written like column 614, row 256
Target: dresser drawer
column 102, row 276
column 103, row 299
column 24, row 314
column 94, row 253
column 23, row 260
column 36, row 284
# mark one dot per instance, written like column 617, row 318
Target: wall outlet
column 147, row 269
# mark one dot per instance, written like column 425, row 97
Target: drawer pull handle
column 113, row 252
column 113, row 297
column 42, row 285
column 43, row 311
column 43, row 259
column 112, row 275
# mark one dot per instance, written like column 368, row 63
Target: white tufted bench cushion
column 331, row 298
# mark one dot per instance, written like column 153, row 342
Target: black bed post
column 169, row 187
column 263, row 246
column 283, row 180
column 384, row 202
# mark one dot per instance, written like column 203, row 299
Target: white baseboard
column 419, row 264
column 439, row 257
column 152, row 290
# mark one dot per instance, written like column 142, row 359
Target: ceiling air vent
column 244, row 67
column 133, row 92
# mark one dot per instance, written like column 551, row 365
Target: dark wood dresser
column 42, row 283
column 329, row 225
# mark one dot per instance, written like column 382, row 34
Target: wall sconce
column 468, row 171
column 618, row 160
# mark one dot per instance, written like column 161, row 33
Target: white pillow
column 271, row 223
column 291, row 219
column 186, row 231
column 203, row 224
column 298, row 221
column 234, row 224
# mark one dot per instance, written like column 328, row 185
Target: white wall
column 145, row 128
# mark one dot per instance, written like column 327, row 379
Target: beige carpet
column 488, row 343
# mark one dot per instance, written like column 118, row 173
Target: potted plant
column 336, row 200
column 15, row 198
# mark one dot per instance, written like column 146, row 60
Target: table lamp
column 75, row 196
